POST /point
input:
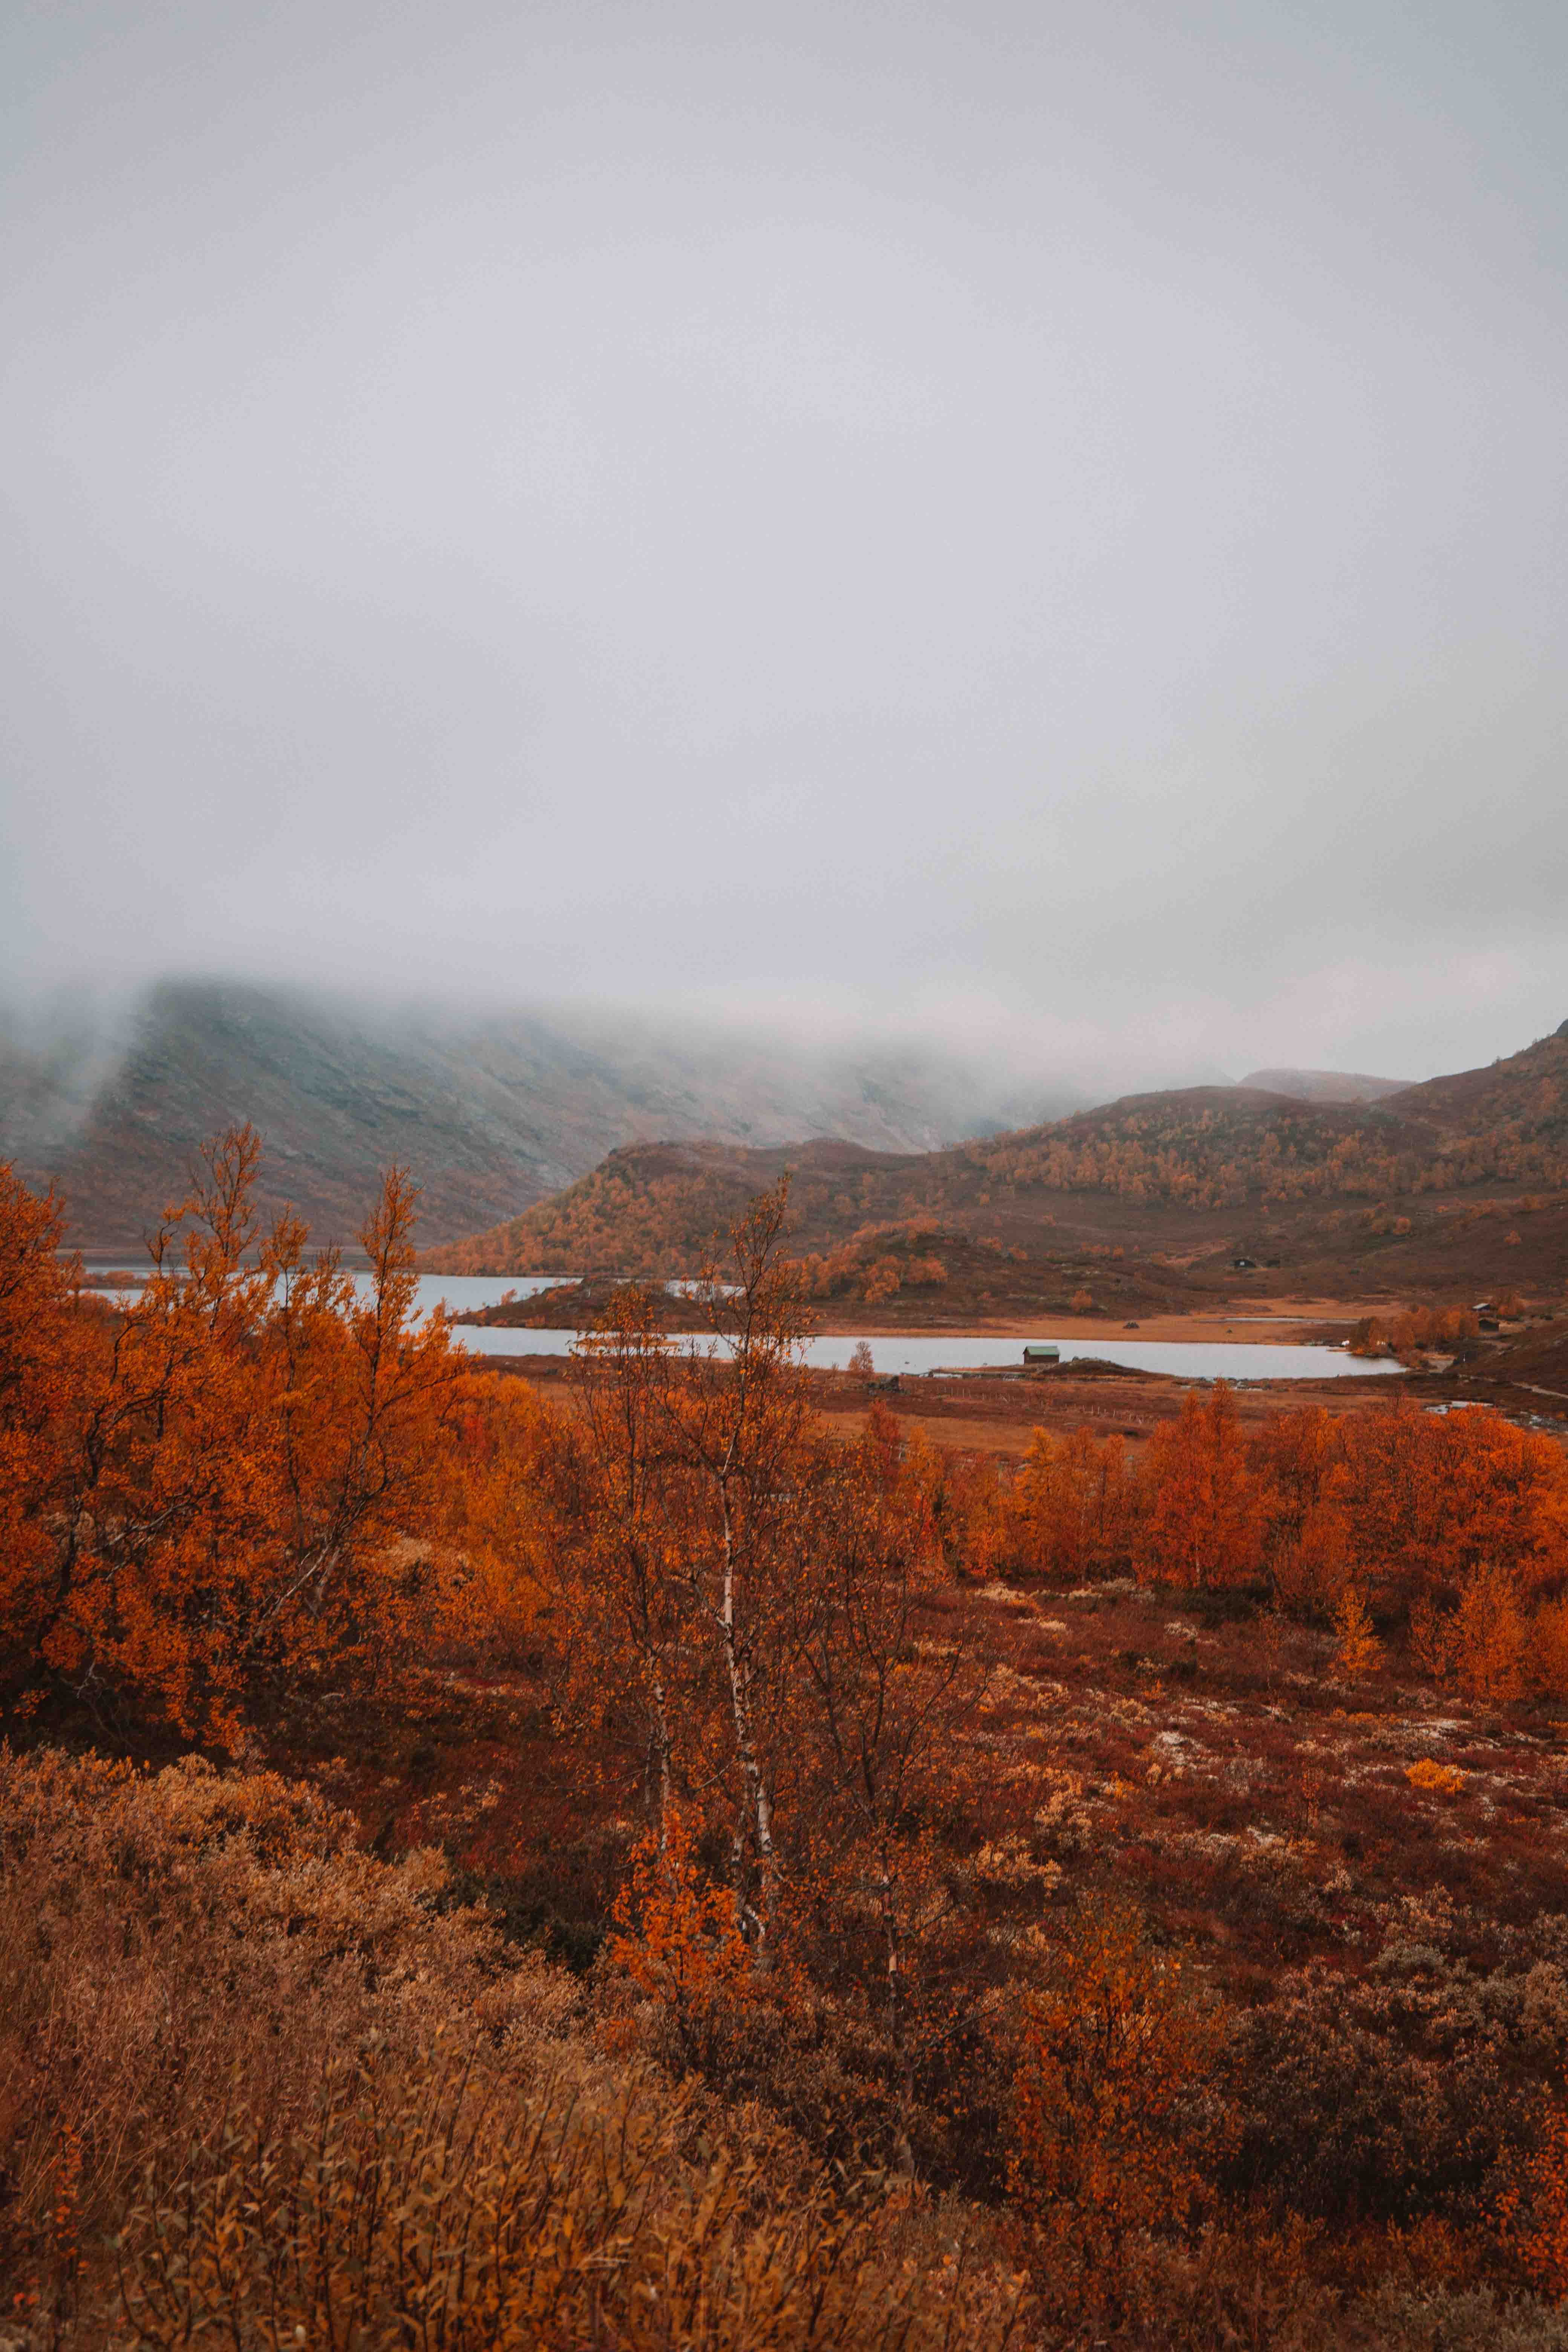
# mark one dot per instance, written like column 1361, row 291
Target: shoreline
column 1308, row 1329
column 1293, row 1327
column 1319, row 1322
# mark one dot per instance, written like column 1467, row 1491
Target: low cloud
column 1035, row 535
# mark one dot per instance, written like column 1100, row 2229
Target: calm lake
column 916, row 1352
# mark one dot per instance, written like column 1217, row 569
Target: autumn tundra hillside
column 1437, row 1186
column 491, row 1867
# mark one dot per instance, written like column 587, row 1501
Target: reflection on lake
column 463, row 1292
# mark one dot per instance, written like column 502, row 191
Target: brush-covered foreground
column 633, row 1869
column 259, row 2089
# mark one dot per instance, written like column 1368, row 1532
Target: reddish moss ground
column 1189, row 1750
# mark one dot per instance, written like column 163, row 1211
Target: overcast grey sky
column 1020, row 522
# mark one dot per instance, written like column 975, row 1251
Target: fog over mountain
column 1022, row 532
column 1324, row 1085
column 490, row 1108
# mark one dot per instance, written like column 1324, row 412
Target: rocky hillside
column 491, row 1111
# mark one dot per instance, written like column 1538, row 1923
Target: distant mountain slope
column 1131, row 1171
column 1220, row 1148
column 1324, row 1085
column 1519, row 1098
column 490, row 1109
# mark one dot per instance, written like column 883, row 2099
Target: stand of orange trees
column 204, row 1494
column 741, row 1606
column 1461, row 1516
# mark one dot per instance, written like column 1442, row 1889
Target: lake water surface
column 913, row 1352
column 916, row 1352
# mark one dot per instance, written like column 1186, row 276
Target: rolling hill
column 1337, row 1193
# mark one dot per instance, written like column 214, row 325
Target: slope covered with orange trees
column 656, row 1208
column 1222, row 1146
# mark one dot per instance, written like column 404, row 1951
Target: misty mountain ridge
column 494, row 1110
column 491, row 1109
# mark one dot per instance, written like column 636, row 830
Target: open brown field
column 1367, row 1871
column 1215, row 1761
column 1000, row 1415
column 1266, row 1321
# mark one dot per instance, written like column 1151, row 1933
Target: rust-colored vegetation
column 625, row 1865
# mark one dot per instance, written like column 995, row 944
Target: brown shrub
column 469, row 2202
column 170, row 1942
column 315, row 2105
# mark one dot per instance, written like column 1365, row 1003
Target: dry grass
column 471, row 2201
column 257, row 2088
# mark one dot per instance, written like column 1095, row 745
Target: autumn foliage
column 918, row 1918
column 207, row 1495
column 1407, row 1507
column 1120, row 2116
column 375, row 2124
column 675, row 1937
